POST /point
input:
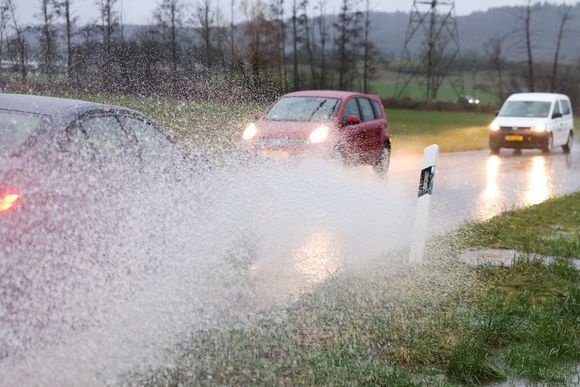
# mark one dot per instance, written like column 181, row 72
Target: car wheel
column 567, row 148
column 382, row 165
column 494, row 149
column 548, row 147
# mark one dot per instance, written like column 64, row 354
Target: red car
column 351, row 126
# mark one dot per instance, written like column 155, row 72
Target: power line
column 433, row 29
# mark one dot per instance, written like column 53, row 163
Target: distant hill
column 389, row 29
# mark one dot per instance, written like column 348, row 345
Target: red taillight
column 8, row 200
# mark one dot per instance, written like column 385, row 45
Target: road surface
column 479, row 185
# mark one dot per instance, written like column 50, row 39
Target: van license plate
column 514, row 138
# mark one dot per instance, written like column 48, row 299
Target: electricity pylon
column 433, row 29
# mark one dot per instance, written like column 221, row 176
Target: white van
column 533, row 120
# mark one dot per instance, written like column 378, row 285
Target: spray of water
column 122, row 267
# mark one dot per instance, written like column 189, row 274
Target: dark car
column 467, row 100
column 76, row 180
column 65, row 154
column 349, row 125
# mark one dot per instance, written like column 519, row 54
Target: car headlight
column 250, row 132
column 476, row 101
column 540, row 128
column 319, row 135
column 494, row 127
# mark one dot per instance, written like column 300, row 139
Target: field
column 414, row 130
column 385, row 83
column 211, row 123
column 443, row 323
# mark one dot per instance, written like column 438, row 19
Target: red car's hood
column 288, row 129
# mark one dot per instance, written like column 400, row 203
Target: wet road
column 479, row 185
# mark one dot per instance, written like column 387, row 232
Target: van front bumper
column 525, row 139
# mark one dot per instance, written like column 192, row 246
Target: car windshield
column 525, row 109
column 314, row 109
column 16, row 128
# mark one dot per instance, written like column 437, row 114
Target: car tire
column 495, row 149
column 382, row 164
column 548, row 147
column 567, row 148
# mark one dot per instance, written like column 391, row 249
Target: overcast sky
column 139, row 11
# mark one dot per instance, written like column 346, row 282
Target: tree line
column 191, row 47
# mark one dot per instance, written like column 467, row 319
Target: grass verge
column 443, row 323
column 552, row 228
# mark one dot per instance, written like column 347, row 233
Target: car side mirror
column 259, row 116
column 352, row 120
column 556, row 115
column 497, row 113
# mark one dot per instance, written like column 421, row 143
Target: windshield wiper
column 317, row 109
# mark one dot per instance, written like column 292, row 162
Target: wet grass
column 443, row 323
column 550, row 228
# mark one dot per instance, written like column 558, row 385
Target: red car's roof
column 322, row 93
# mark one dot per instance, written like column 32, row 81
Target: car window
column 16, row 128
column 351, row 109
column 565, row 107
column 303, row 109
column 154, row 145
column 368, row 114
column 536, row 109
column 556, row 108
column 106, row 137
column 377, row 108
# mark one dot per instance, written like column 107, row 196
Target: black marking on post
column 426, row 182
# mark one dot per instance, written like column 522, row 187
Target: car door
column 372, row 128
column 557, row 123
column 567, row 118
column 352, row 134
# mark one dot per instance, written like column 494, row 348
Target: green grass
column 442, row 323
column 385, row 84
column 413, row 130
column 550, row 228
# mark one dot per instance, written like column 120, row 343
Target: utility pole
column 432, row 24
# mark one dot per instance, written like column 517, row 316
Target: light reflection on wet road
column 478, row 185
column 468, row 186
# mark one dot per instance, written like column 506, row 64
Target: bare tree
column 169, row 18
column 367, row 47
column 528, row 36
column 48, row 37
column 109, row 20
column 232, row 33
column 4, row 19
column 304, row 22
column 262, row 45
column 64, row 9
column 346, row 41
column 564, row 17
column 494, row 50
column 322, row 32
column 295, row 41
column 205, row 19
column 20, row 42
column 278, row 12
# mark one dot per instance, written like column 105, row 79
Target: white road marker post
column 423, row 203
